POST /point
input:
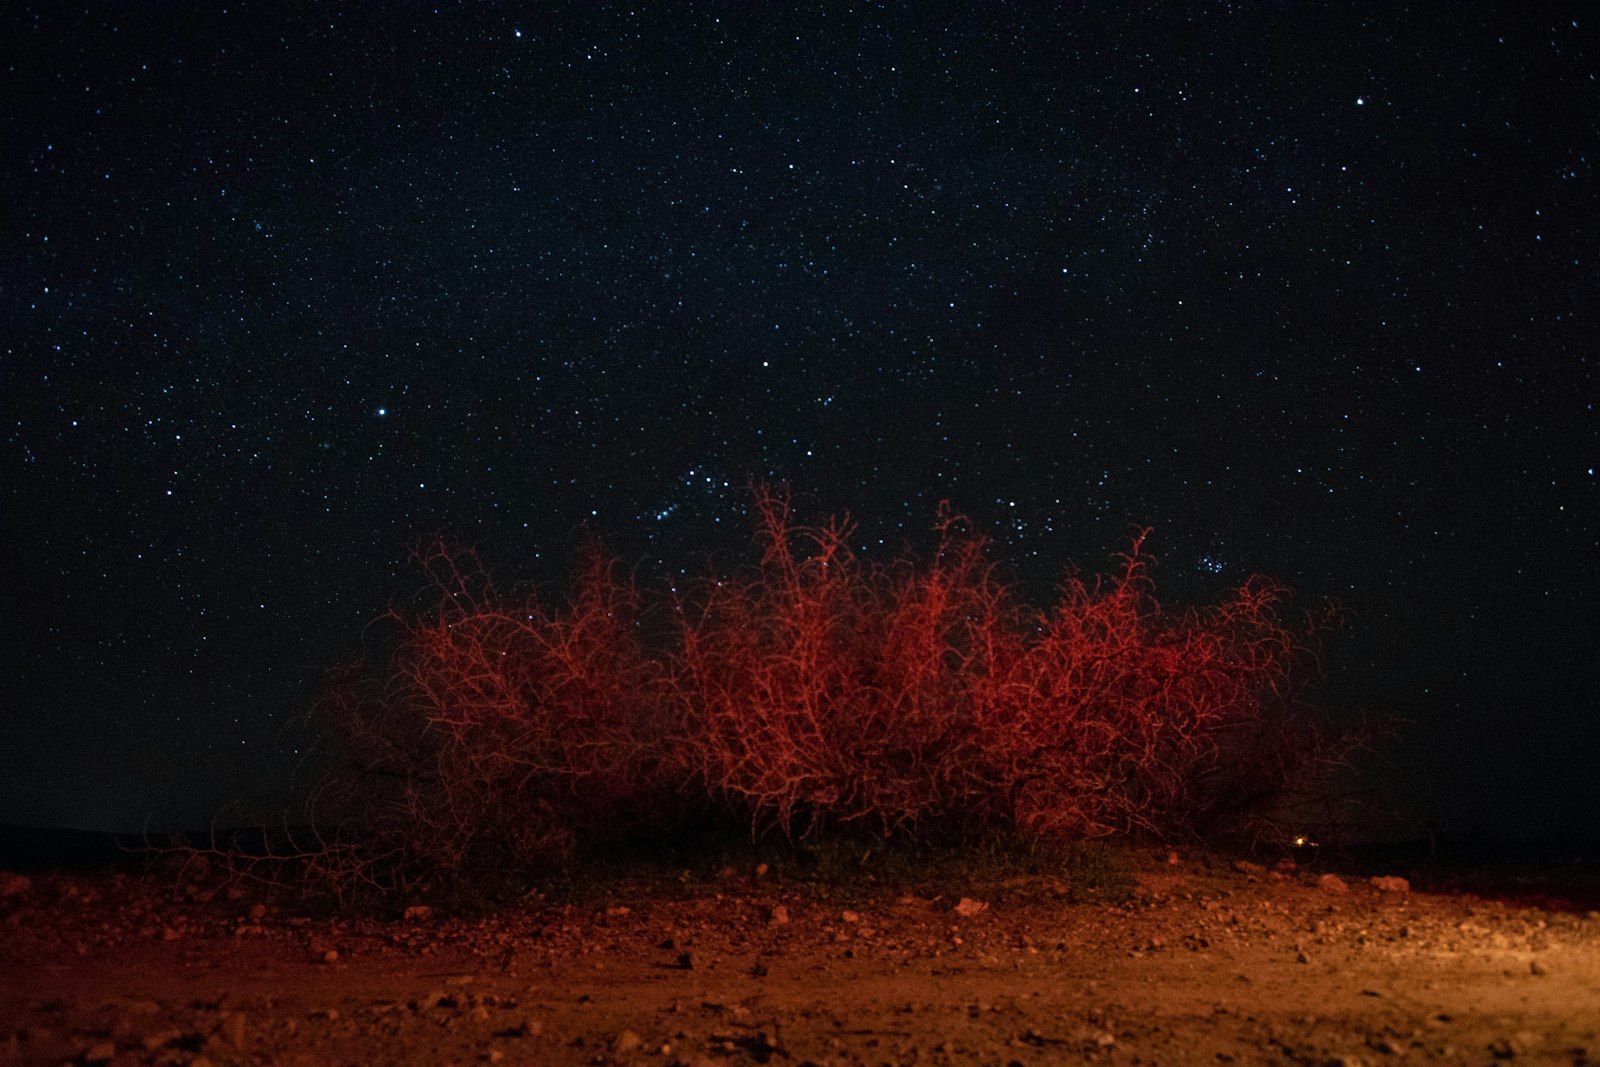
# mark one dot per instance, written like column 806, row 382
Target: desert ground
column 1194, row 959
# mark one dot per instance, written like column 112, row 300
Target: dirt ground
column 1205, row 961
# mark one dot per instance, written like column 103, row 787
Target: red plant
column 505, row 730
column 1122, row 713
column 815, row 691
column 822, row 691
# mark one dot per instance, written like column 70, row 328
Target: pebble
column 526, row 1028
column 233, row 1030
column 160, row 1039
column 99, row 1052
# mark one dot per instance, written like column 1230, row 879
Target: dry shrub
column 816, row 692
column 501, row 732
column 1125, row 718
column 824, row 691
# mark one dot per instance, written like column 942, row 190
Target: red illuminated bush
column 500, row 730
column 827, row 692
column 813, row 692
column 1121, row 716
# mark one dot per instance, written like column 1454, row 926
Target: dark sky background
column 1309, row 288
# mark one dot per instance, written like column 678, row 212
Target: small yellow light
column 1299, row 841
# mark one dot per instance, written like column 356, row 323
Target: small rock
column 1332, row 883
column 1388, row 883
column 258, row 912
column 1535, row 967
column 851, row 917
column 331, row 956
column 417, row 913
column 966, row 907
column 99, row 1052
column 160, row 1039
column 626, row 1042
column 232, row 1029
column 1253, row 871
column 778, row 916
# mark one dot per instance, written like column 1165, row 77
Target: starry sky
column 1308, row 288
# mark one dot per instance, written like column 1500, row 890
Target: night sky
column 1309, row 288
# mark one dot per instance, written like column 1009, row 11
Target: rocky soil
column 1204, row 962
